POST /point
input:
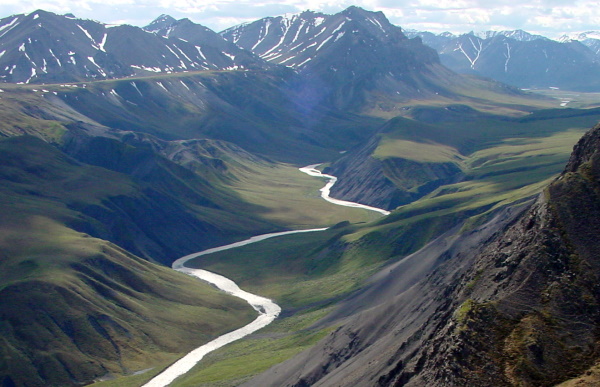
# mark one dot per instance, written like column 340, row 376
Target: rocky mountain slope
column 351, row 59
column 254, row 110
column 391, row 181
column 42, row 47
column 296, row 40
column 354, row 60
column 220, row 53
column 513, row 302
column 589, row 38
column 519, row 59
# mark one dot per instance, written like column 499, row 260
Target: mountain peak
column 581, row 36
column 162, row 21
column 43, row 47
column 447, row 34
column 341, row 52
column 42, row 12
column 354, row 12
column 164, row 18
column 355, row 9
column 588, row 146
column 520, row 35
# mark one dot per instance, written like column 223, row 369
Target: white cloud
column 550, row 17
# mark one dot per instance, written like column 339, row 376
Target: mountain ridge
column 516, row 57
column 354, row 60
column 43, row 47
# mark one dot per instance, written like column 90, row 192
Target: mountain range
column 521, row 59
column 43, row 47
column 124, row 148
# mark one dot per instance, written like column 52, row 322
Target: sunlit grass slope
column 76, row 308
column 292, row 198
column 480, row 93
column 503, row 160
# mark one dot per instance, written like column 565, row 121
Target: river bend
column 267, row 309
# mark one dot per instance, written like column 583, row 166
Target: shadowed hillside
column 75, row 308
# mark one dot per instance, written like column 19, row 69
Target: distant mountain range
column 345, row 54
column 590, row 39
column 521, row 59
column 43, row 47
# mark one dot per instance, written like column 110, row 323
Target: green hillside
column 135, row 198
column 75, row 308
column 251, row 109
column 412, row 157
column 106, row 311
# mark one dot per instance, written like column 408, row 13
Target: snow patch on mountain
column 7, row 27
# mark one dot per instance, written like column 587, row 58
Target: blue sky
column 546, row 17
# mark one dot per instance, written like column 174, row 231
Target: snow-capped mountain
column 216, row 50
column 590, row 38
column 296, row 40
column 345, row 54
column 518, row 35
column 580, row 36
column 438, row 41
column 43, row 47
column 518, row 58
column 435, row 41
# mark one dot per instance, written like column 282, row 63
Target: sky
column 550, row 18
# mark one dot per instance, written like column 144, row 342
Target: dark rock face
column 514, row 302
column 585, row 149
